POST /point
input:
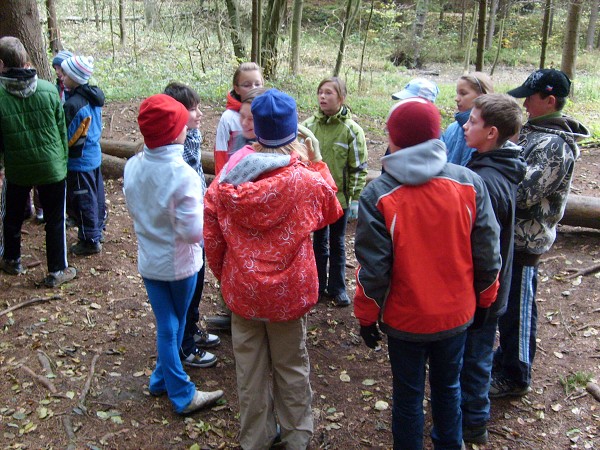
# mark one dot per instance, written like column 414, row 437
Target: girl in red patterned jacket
column 259, row 214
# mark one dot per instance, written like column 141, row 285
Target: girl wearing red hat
column 163, row 195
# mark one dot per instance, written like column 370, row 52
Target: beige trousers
column 273, row 382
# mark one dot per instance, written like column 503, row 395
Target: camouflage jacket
column 550, row 151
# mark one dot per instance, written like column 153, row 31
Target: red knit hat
column 161, row 119
column 413, row 121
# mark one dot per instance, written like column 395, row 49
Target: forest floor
column 98, row 335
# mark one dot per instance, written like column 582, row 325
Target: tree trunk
column 463, row 16
column 122, row 21
column 352, row 7
column 569, row 56
column 149, row 12
column 545, row 32
column 469, row 45
column 362, row 55
column 21, row 19
column 421, row 8
column 272, row 24
column 591, row 29
column 491, row 28
column 53, row 31
column 96, row 14
column 295, row 40
column 256, row 31
column 500, row 37
column 234, row 25
column 481, row 35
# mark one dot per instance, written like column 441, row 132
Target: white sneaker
column 201, row 400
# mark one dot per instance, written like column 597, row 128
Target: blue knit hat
column 78, row 68
column 60, row 57
column 275, row 118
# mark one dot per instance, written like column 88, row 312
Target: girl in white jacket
column 163, row 198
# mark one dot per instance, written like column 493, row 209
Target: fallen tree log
column 581, row 211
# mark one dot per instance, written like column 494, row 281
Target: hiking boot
column 85, row 248
column 219, row 322
column 202, row 400
column 503, row 387
column 206, row 340
column 342, row 300
column 59, row 277
column 12, row 267
column 198, row 358
column 475, row 435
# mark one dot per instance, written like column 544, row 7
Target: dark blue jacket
column 502, row 170
column 83, row 114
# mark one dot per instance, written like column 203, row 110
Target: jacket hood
column 232, row 101
column 416, row 165
column 462, row 117
column 19, row 82
column 267, row 197
column 343, row 114
column 507, row 160
column 93, row 94
column 571, row 130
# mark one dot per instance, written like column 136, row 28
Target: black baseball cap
column 548, row 81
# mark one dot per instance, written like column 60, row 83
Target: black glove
column 370, row 335
column 480, row 318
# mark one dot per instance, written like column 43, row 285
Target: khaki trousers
column 262, row 349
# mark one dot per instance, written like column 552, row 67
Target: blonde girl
column 248, row 76
column 468, row 88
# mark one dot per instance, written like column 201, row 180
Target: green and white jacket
column 550, row 151
column 344, row 149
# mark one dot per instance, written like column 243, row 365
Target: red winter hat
column 161, row 119
column 413, row 121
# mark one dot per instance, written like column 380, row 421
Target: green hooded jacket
column 344, row 149
column 33, row 134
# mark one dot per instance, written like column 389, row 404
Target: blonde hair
column 480, row 82
column 246, row 67
column 293, row 147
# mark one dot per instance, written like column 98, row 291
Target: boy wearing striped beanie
column 85, row 187
column 56, row 65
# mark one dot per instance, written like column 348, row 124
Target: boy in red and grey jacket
column 428, row 247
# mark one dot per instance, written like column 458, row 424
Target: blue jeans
column 518, row 327
column 86, row 203
column 170, row 301
column 328, row 245
column 193, row 314
column 408, row 361
column 476, row 374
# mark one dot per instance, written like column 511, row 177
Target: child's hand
column 371, row 335
column 353, row 213
column 306, row 137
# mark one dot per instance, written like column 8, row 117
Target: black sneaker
column 12, row 267
column 198, row 358
column 342, row 300
column 85, row 248
column 475, row 435
column 204, row 339
column 504, row 387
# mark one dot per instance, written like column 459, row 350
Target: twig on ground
column 66, row 420
column 29, row 302
column 551, row 258
column 45, row 362
column 582, row 272
column 88, row 383
column 562, row 320
column 104, row 439
column 593, row 389
column 588, row 325
column 40, row 379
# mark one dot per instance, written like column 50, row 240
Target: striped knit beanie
column 60, row 57
column 78, row 68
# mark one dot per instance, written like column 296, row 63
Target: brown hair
column 13, row 53
column 246, row 67
column 480, row 82
column 339, row 86
column 252, row 94
column 501, row 111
